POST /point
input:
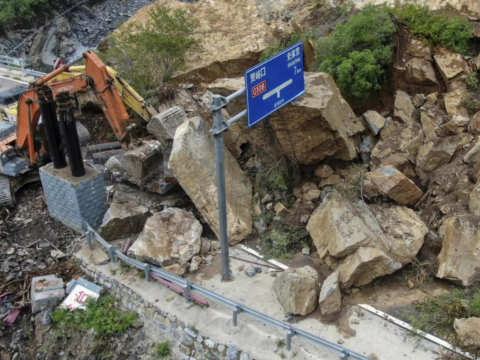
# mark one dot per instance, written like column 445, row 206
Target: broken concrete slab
column 123, row 219
column 169, row 236
column 389, row 182
column 193, row 158
column 46, row 291
column 164, row 125
column 297, row 290
column 330, row 300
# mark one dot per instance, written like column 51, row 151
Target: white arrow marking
column 277, row 90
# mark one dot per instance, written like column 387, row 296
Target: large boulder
column 172, row 235
column 455, row 99
column 364, row 248
column 319, row 124
column 164, row 125
column 460, row 258
column 452, row 66
column 192, row 161
column 144, row 166
column 297, row 290
column 123, row 219
column 222, row 54
column 421, row 72
column 389, row 182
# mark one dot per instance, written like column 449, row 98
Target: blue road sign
column 274, row 83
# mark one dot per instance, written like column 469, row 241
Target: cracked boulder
column 363, row 248
column 192, row 162
column 297, row 290
column 330, row 300
column 171, row 236
column 452, row 66
column 123, row 220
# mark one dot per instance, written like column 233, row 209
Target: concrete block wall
column 72, row 200
column 190, row 344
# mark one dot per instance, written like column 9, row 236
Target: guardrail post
column 236, row 310
column 146, row 268
column 344, row 355
column 289, row 339
column 111, row 252
column 89, row 236
column 186, row 292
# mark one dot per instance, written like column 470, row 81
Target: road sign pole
column 219, row 127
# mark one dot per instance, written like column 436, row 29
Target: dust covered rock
column 375, row 122
column 192, row 161
column 459, row 259
column 330, row 300
column 123, row 219
column 468, row 330
column 297, row 290
column 168, row 236
column 404, row 108
column 452, row 66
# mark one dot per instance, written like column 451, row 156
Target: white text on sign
column 258, row 75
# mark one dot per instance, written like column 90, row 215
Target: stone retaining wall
column 191, row 344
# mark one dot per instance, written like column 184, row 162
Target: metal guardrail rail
column 237, row 308
column 19, row 65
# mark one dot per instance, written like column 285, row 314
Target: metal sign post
column 270, row 85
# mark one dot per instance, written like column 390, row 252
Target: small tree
column 148, row 54
column 14, row 11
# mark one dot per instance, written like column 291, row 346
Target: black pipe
column 50, row 123
column 69, row 132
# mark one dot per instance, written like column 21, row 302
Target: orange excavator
column 25, row 150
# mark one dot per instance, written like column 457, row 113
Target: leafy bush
column 359, row 52
column 280, row 177
column 280, row 45
column 472, row 81
column 438, row 29
column 147, row 55
column 163, row 349
column 14, row 11
column 100, row 315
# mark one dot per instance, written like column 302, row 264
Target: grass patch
column 100, row 315
column 281, row 244
column 280, row 176
column 471, row 104
column 162, row 349
column 437, row 314
column 351, row 187
column 472, row 81
column 453, row 33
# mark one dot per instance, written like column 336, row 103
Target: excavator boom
column 101, row 82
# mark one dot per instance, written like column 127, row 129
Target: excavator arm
column 97, row 78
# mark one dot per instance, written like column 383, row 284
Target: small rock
column 195, row 264
column 340, row 341
column 418, row 100
column 306, row 251
column 374, row 121
column 331, row 180
column 468, row 330
column 267, row 198
column 323, row 171
column 215, row 245
column 251, row 271
column 280, row 209
column 57, row 254
column 330, row 300
column 209, row 259
column 10, row 251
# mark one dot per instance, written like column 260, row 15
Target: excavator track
column 7, row 196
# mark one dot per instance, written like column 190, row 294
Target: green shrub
column 438, row 29
column 280, row 45
column 471, row 104
column 100, row 315
column 280, row 177
column 147, row 55
column 15, row 11
column 359, row 52
column 163, row 349
column 472, row 81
